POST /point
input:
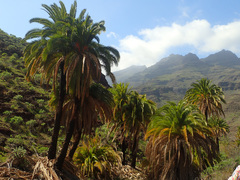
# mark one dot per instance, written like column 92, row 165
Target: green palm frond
column 208, row 97
column 178, row 137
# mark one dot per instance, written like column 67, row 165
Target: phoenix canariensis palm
column 178, row 138
column 73, row 46
column 97, row 106
column 208, row 97
column 46, row 53
column 219, row 127
column 139, row 112
column 83, row 67
column 121, row 94
column 95, row 159
column 132, row 114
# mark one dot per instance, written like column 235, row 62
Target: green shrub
column 40, row 102
column 18, row 97
column 17, row 140
column 13, row 58
column 6, row 75
column 32, row 88
column 7, row 113
column 19, row 152
column 16, row 120
column 95, row 159
column 4, row 54
column 42, row 150
column 3, row 157
column 31, row 123
column 41, row 111
column 14, row 106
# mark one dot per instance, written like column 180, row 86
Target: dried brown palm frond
column 14, row 173
column 45, row 168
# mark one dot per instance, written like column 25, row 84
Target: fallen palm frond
column 45, row 168
column 127, row 172
column 14, row 173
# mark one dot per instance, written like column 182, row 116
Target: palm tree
column 83, row 67
column 178, row 138
column 208, row 97
column 139, row 112
column 73, row 46
column 121, row 94
column 97, row 106
column 132, row 114
column 47, row 54
column 219, row 128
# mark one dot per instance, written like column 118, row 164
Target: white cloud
column 112, row 34
column 152, row 44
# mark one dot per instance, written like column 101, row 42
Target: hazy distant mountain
column 169, row 78
column 123, row 75
column 169, row 65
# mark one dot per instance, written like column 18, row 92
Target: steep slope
column 25, row 117
column 223, row 58
column 10, row 44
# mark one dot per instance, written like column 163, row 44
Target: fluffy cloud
column 152, row 44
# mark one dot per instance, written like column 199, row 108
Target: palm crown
column 178, row 137
column 208, row 97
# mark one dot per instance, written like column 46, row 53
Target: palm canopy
column 219, row 126
column 208, row 97
column 72, row 40
column 178, row 138
column 121, row 94
column 83, row 65
column 139, row 109
column 48, row 42
column 97, row 106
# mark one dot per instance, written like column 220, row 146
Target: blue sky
column 145, row 31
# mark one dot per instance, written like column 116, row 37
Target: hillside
column 26, row 121
column 25, row 117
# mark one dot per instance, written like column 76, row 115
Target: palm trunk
column 217, row 142
column 75, row 144
column 124, row 147
column 53, row 146
column 134, row 150
column 206, row 114
column 62, row 156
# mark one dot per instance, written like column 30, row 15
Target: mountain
column 123, row 75
column 223, row 58
column 170, row 78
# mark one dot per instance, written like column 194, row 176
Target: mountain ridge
column 170, row 77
